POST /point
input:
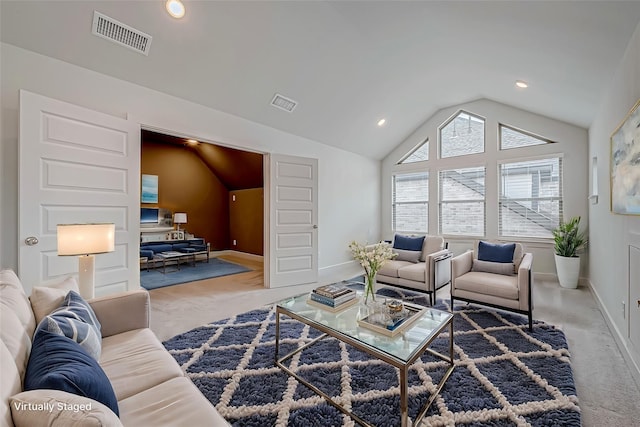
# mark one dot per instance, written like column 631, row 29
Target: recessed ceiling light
column 175, row 8
column 381, row 122
column 522, row 84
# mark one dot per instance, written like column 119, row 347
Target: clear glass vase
column 369, row 287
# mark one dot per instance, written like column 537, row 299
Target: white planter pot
column 568, row 269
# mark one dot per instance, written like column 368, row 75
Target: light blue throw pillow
column 75, row 319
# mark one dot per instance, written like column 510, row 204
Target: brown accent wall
column 186, row 184
column 246, row 220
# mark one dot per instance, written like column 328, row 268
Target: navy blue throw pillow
column 408, row 243
column 59, row 363
column 75, row 319
column 496, row 252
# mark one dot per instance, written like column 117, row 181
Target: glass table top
column 402, row 346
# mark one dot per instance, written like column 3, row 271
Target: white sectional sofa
column 150, row 387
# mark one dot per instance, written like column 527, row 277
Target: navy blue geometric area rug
column 216, row 267
column 504, row 374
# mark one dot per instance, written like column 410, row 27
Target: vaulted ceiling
column 236, row 169
column 348, row 63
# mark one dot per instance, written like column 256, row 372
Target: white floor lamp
column 85, row 240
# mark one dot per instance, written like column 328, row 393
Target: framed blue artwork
column 149, row 189
column 625, row 165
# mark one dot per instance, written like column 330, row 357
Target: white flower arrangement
column 371, row 258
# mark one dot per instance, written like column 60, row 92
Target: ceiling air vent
column 117, row 32
column 283, row 103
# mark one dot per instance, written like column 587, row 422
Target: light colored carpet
column 606, row 390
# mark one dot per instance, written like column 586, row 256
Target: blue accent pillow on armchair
column 59, row 363
column 408, row 243
column 496, row 252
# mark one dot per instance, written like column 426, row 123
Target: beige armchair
column 428, row 272
column 507, row 286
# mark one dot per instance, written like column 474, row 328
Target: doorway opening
column 219, row 189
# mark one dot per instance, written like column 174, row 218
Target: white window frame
column 482, row 200
column 413, row 202
column 450, row 120
column 403, row 160
column 543, row 140
column 559, row 198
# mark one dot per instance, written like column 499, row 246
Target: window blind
column 410, row 202
column 530, row 203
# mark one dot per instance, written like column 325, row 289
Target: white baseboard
column 341, row 271
column 623, row 345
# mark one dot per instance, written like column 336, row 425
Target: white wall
column 348, row 186
column 610, row 234
column 571, row 142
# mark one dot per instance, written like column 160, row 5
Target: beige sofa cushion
column 415, row 272
column 11, row 383
column 135, row 361
column 66, row 410
column 13, row 297
column 390, row 268
column 45, row 299
column 489, row 284
column 176, row 402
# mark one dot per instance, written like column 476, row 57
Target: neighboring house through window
column 462, row 202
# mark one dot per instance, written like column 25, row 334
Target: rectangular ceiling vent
column 117, row 32
column 283, row 103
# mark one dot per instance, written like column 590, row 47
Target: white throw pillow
column 45, row 299
column 57, row 408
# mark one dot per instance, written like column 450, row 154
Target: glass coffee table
column 399, row 351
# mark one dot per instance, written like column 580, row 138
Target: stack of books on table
column 333, row 297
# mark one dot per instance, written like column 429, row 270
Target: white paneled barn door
column 77, row 166
column 293, row 238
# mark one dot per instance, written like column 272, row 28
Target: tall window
column 530, row 197
column 511, row 138
column 410, row 202
column 462, row 201
column 462, row 135
column 418, row 154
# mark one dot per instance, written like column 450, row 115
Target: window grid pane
column 463, row 135
column 462, row 202
column 530, row 198
column 419, row 154
column 410, row 202
column 511, row 138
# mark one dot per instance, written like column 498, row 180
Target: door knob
column 31, row 241
column 315, row 226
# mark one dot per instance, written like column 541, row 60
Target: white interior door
column 293, row 217
column 77, row 166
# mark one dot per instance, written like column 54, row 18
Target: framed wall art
column 625, row 165
column 149, row 189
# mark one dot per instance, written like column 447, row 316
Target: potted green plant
column 568, row 241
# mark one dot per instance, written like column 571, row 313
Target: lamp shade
column 180, row 218
column 85, row 239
